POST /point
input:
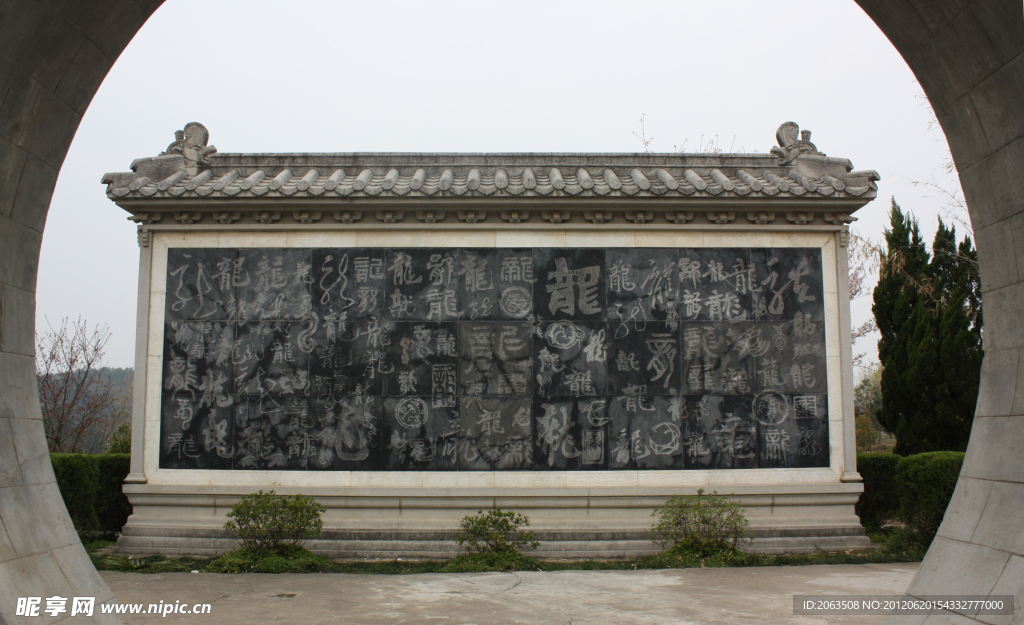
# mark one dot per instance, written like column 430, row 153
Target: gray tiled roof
column 191, row 176
column 483, row 181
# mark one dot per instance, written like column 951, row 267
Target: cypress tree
column 895, row 299
column 928, row 310
column 959, row 350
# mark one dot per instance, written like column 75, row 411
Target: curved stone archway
column 967, row 55
column 969, row 59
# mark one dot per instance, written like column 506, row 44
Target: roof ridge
column 191, row 169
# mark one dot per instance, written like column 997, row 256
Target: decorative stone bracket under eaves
column 191, row 183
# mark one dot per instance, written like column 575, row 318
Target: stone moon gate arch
column 967, row 55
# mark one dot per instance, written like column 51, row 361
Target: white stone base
column 418, row 522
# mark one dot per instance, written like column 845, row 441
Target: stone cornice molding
column 192, row 184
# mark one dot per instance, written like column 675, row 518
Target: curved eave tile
column 534, row 182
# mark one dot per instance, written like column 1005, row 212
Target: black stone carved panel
column 716, row 284
column 347, row 359
column 643, row 285
column 474, row 359
column 495, row 358
column 272, row 433
column 557, row 444
column 790, row 285
column 202, row 283
column 193, row 434
column 420, row 359
column 274, row 285
column 571, row 285
column 272, row 358
column 347, row 434
column 420, row 434
column 496, row 433
column 347, row 285
column 571, row 358
column 645, row 361
column 423, row 284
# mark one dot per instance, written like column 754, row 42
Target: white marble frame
column 152, row 284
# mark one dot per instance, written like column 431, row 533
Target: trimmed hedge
column 112, row 505
column 78, row 479
column 925, row 483
column 914, row 489
column 91, row 487
column 880, row 501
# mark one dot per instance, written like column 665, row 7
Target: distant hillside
column 122, row 382
column 122, row 378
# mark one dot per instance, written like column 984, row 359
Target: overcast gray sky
column 559, row 76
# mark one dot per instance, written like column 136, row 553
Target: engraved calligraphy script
column 494, row 359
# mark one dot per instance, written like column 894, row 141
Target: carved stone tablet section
column 469, row 359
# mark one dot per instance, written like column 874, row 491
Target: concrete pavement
column 663, row 597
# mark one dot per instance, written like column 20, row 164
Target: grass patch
column 896, row 545
column 93, row 545
column 390, row 567
column 144, row 564
column 147, row 564
column 287, row 559
column 491, row 561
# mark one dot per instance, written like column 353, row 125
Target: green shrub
column 702, row 524
column 880, row 501
column 91, row 487
column 495, row 531
column 925, row 483
column 121, row 440
column 287, row 559
column 77, row 478
column 271, row 523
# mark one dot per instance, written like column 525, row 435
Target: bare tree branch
column 948, row 193
column 863, row 260
column 865, row 329
column 78, row 401
column 643, row 134
column 949, row 197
